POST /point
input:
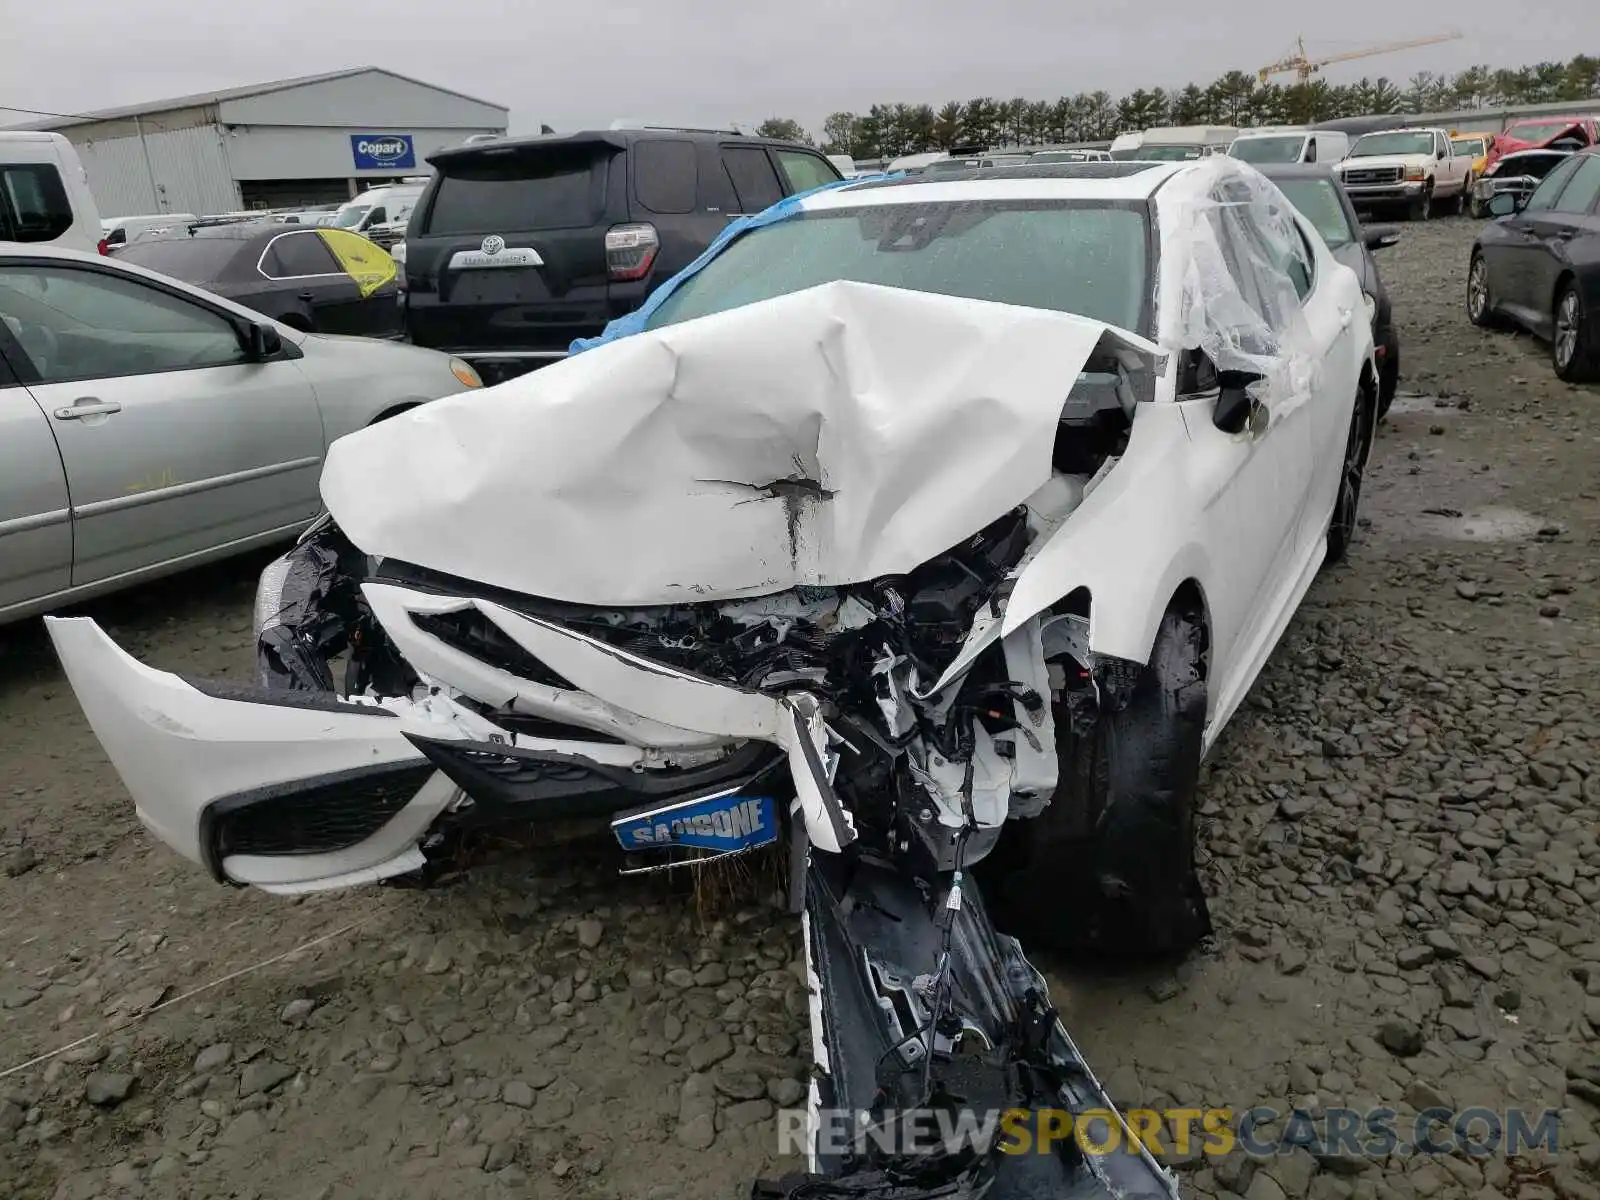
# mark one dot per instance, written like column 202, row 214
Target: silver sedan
column 147, row 426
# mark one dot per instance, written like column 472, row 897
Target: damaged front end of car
column 811, row 646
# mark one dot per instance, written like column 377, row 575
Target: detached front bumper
column 299, row 790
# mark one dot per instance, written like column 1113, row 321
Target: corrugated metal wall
column 190, row 168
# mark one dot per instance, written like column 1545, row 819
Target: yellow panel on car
column 366, row 262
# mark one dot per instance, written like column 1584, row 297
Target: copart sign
column 382, row 151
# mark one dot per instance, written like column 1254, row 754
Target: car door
column 1553, row 230
column 1512, row 255
column 35, row 513
column 174, row 440
column 301, row 264
column 375, row 312
column 1252, row 485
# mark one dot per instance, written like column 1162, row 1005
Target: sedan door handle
column 88, row 406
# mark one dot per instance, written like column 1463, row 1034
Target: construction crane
column 1307, row 67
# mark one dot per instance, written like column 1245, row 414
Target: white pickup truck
column 1416, row 168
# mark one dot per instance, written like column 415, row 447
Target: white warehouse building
column 320, row 139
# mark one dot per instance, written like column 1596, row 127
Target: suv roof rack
column 628, row 123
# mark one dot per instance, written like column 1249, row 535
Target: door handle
column 307, row 296
column 87, row 406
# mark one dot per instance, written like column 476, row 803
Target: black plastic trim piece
column 244, row 693
column 508, row 782
column 407, row 774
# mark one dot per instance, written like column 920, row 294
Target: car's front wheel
column 1480, row 304
column 1109, row 867
column 1575, row 342
column 1352, row 471
column 1422, row 206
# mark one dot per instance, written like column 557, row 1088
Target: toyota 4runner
column 520, row 245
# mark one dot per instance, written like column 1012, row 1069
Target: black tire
column 1352, row 472
column 1478, row 209
column 1422, row 208
column 1574, row 341
column 1389, row 376
column 1109, row 867
column 1480, row 295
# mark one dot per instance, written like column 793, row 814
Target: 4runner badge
column 493, row 244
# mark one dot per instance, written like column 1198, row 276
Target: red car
column 1537, row 132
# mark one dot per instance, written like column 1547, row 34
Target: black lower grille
column 317, row 816
column 518, row 784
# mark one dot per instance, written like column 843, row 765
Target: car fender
column 1132, row 543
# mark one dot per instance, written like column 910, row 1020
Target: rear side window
column 666, row 175
column 499, row 192
column 805, row 171
column 754, row 180
column 1579, row 195
column 297, row 254
column 33, row 203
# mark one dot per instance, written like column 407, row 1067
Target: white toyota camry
column 935, row 524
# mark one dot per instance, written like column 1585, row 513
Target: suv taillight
column 104, row 247
column 631, row 251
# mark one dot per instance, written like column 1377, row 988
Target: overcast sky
column 713, row 61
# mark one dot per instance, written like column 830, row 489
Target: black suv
column 520, row 245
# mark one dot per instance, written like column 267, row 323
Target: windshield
column 1070, row 256
column 1318, row 202
column 1392, row 143
column 1154, row 153
column 196, row 260
column 1472, row 146
column 350, row 215
column 1537, row 131
column 1269, row 149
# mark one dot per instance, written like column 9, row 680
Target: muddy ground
column 1399, row 836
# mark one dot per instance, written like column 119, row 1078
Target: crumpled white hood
column 825, row 437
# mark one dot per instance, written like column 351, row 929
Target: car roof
column 1128, row 180
column 617, row 139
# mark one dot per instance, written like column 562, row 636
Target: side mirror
column 1503, row 204
column 1377, row 237
column 1236, row 409
column 264, row 342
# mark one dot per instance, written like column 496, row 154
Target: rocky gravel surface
column 1399, row 835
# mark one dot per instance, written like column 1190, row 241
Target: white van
column 117, row 232
column 1290, row 145
column 386, row 204
column 44, row 193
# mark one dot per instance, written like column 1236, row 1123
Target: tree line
column 1237, row 99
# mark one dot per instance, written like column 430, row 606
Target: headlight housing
column 463, row 372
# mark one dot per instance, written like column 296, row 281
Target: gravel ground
column 1400, row 840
